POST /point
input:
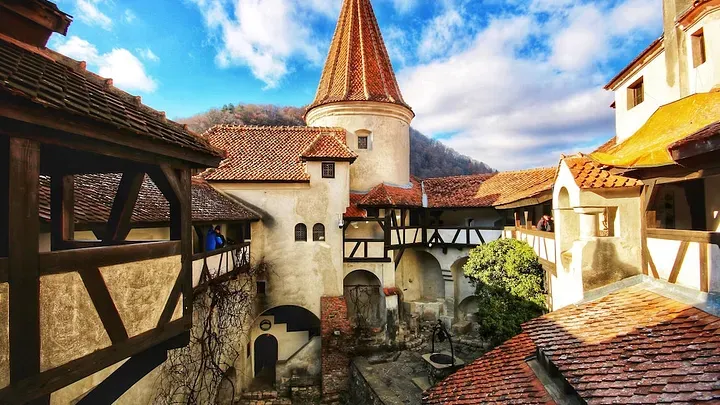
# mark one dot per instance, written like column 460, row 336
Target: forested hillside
column 428, row 157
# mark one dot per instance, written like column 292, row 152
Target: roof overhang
column 543, row 197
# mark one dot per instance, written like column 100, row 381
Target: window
column 328, row 170
column 636, row 93
column 318, row 232
column 300, row 233
column 698, row 48
column 373, row 212
column 362, row 142
column 260, row 287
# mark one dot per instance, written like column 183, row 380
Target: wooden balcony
column 689, row 258
column 543, row 243
column 220, row 265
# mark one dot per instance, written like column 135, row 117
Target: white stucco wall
column 387, row 158
column 657, row 93
column 702, row 78
column 302, row 272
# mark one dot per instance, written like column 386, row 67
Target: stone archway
column 365, row 300
column 468, row 307
column 462, row 287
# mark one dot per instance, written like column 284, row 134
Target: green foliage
column 428, row 157
column 508, row 280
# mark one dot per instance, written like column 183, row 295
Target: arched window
column 300, row 233
column 318, row 232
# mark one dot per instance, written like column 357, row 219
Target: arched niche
column 365, row 299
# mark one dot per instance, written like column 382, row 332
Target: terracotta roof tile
column 94, row 194
column 358, row 67
column 589, row 174
column 384, row 195
column 353, row 211
column 273, row 153
column 501, row 376
column 488, row 190
column 633, row 346
column 55, row 81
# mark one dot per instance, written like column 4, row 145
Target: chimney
column 675, row 53
column 32, row 21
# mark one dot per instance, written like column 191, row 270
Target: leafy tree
column 508, row 280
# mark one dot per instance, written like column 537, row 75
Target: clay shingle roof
column 630, row 347
column 589, row 174
column 358, row 67
column 57, row 82
column 384, row 195
column 94, row 194
column 455, row 191
column 634, row 347
column 268, row 154
column 353, row 211
column 501, row 376
column 648, row 147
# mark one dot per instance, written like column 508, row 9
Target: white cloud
column 404, row 6
column 126, row 70
column 527, row 85
column 129, row 16
column 88, row 12
column 265, row 35
column 441, row 35
column 148, row 54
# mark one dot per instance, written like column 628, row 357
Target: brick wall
column 336, row 334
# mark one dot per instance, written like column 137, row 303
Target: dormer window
column 328, row 170
column 698, row 48
column 636, row 93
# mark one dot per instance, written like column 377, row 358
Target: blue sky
column 513, row 83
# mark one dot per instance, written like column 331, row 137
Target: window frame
column 330, row 166
column 318, row 232
column 636, row 93
column 699, row 48
column 366, row 140
column 300, row 232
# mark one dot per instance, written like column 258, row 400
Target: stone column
column 589, row 221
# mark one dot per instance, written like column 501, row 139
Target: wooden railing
column 682, row 257
column 543, row 243
column 220, row 264
column 459, row 236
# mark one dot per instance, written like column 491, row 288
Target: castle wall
column 301, row 272
column 387, row 158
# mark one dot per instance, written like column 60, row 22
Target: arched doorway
column 420, row 277
column 463, row 288
column 266, row 357
column 365, row 301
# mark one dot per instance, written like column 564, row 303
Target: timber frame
column 30, row 148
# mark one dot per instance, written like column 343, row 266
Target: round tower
column 358, row 91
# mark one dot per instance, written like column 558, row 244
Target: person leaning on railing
column 545, row 224
column 215, row 239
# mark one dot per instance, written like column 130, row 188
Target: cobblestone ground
column 397, row 371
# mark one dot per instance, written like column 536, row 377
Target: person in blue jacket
column 214, row 239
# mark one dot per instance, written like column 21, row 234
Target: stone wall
column 336, row 334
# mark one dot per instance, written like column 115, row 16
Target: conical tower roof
column 358, row 67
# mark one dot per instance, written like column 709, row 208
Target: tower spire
column 358, row 67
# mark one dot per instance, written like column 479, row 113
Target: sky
column 512, row 83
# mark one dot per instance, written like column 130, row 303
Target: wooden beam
column 118, row 226
column 171, row 302
column 104, row 305
column 704, row 268
column 68, row 373
column 678, row 262
column 683, row 235
column 4, row 194
column 24, row 275
column 62, row 210
column 71, row 260
column 122, row 379
column 3, row 270
column 185, row 199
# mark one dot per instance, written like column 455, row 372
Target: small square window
column 362, row 142
column 636, row 93
column 328, row 170
column 698, row 48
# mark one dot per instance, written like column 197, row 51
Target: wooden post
column 118, row 226
column 185, row 180
column 62, row 210
column 4, row 194
column 23, row 257
column 646, row 195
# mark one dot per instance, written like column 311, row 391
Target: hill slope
column 428, row 157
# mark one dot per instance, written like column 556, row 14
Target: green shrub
column 508, row 280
